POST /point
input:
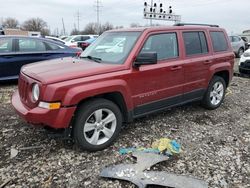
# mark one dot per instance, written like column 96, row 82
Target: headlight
column 35, row 92
column 246, row 54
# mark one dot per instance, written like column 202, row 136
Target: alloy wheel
column 100, row 126
column 216, row 93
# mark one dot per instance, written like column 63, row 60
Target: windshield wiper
column 96, row 59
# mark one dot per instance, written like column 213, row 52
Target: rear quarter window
column 219, row 41
column 52, row 47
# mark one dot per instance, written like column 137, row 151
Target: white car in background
column 244, row 63
column 55, row 39
column 238, row 45
column 72, row 41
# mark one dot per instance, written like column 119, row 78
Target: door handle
column 207, row 62
column 177, row 67
column 9, row 56
column 46, row 55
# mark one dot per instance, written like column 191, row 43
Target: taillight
column 78, row 53
column 73, row 46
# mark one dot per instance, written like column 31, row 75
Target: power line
column 64, row 32
column 78, row 17
column 98, row 9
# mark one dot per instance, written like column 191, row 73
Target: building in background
column 246, row 34
column 7, row 31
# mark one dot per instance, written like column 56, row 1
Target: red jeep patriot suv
column 123, row 75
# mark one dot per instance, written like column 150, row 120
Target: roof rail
column 183, row 24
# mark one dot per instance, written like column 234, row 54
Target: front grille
column 245, row 65
column 23, row 87
column 244, row 71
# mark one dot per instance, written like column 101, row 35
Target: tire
column 240, row 52
column 215, row 93
column 97, row 124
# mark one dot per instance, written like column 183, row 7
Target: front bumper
column 59, row 118
column 244, row 67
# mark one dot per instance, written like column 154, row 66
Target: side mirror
column 146, row 58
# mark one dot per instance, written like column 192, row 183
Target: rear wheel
column 98, row 123
column 215, row 93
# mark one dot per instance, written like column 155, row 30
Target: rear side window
column 219, row 41
column 195, row 43
column 5, row 45
column 51, row 46
column 31, row 45
column 76, row 39
column 85, row 38
column 165, row 45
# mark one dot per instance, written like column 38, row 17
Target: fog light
column 50, row 106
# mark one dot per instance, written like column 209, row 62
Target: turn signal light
column 50, row 106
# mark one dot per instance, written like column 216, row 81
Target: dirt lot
column 216, row 146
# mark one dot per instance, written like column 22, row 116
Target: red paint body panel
column 71, row 81
column 54, row 118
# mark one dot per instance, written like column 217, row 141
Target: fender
column 78, row 93
column 224, row 66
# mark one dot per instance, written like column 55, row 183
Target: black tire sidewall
column 206, row 100
column 83, row 112
column 238, row 54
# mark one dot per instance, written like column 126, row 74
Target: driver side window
column 165, row 45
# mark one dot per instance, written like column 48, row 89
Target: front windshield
column 111, row 47
column 68, row 38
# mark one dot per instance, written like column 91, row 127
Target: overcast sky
column 233, row 15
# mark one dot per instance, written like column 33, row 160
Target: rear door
column 28, row 50
column 7, row 57
column 198, row 59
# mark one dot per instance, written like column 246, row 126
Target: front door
column 159, row 85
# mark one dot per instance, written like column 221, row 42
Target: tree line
column 32, row 24
column 38, row 24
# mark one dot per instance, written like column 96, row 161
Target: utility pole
column 63, row 27
column 78, row 17
column 98, row 6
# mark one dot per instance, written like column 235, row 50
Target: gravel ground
column 216, row 146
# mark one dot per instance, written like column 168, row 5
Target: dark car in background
column 16, row 51
column 85, row 43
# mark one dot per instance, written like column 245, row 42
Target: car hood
column 58, row 70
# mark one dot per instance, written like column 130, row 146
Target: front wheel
column 97, row 124
column 215, row 93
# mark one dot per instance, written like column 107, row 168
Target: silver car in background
column 238, row 45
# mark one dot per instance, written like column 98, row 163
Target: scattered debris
column 163, row 146
column 14, row 152
column 47, row 183
column 5, row 183
column 166, row 145
column 228, row 92
column 140, row 175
